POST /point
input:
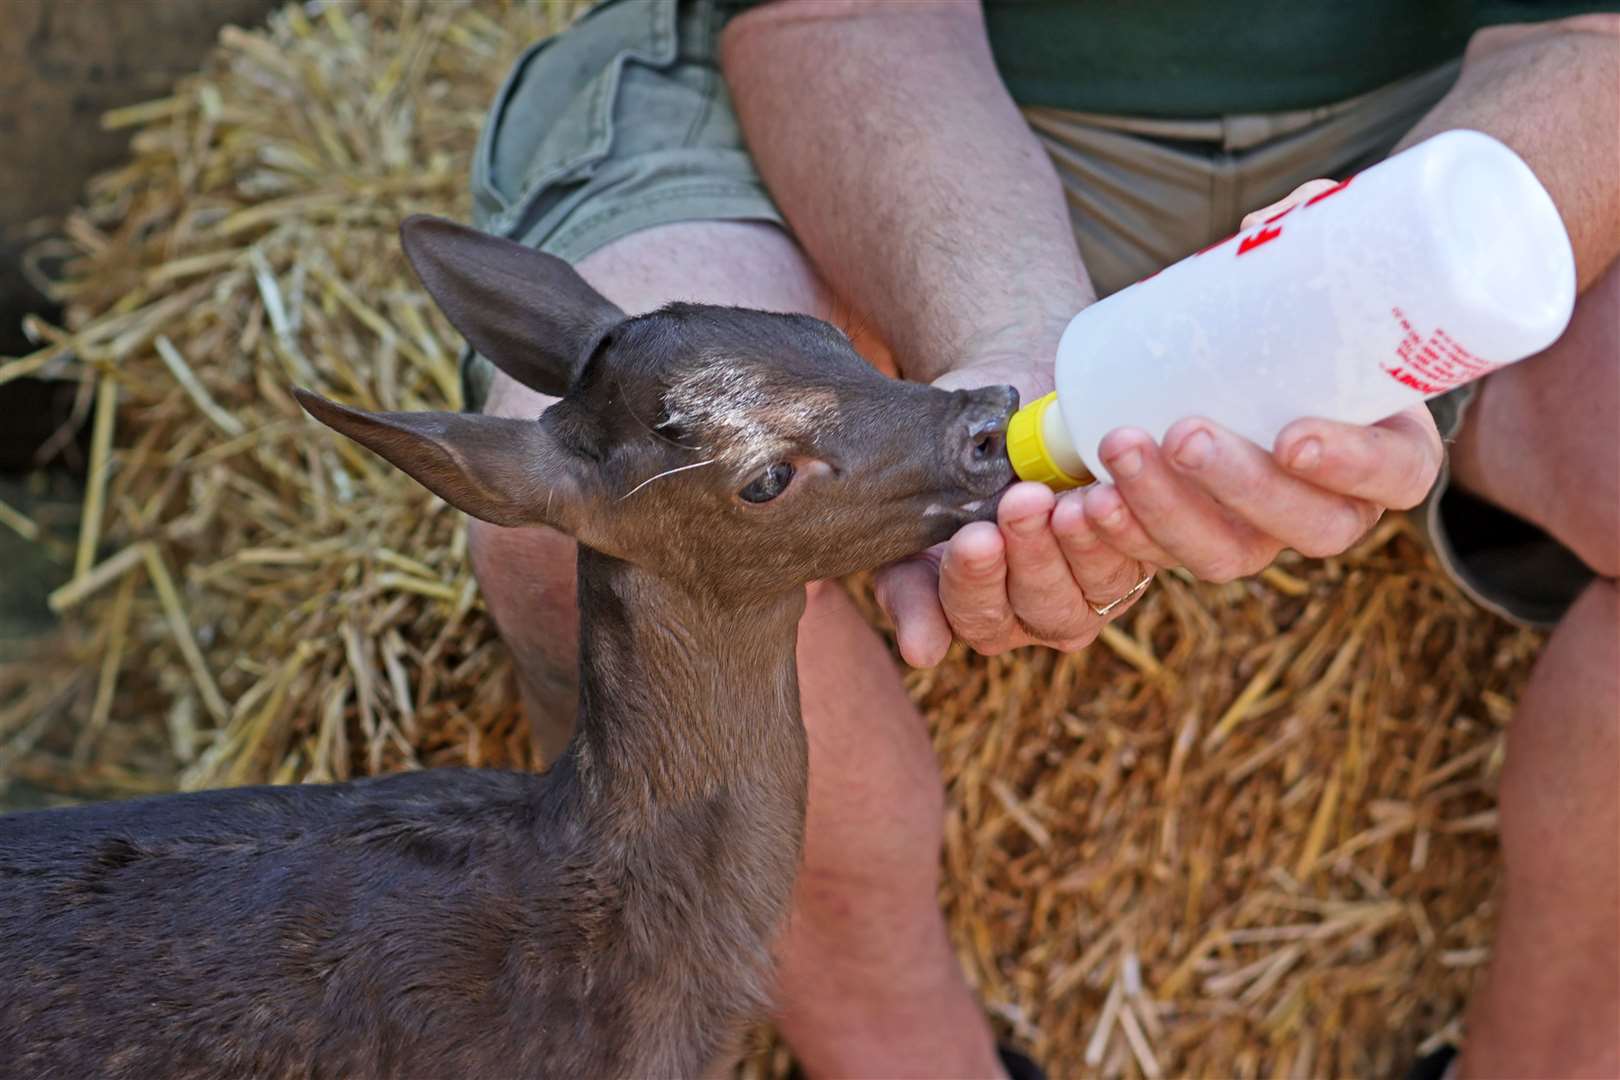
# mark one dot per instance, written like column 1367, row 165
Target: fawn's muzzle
column 981, row 429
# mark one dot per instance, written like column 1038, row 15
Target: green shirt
column 1202, row 58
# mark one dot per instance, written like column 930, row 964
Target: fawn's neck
column 689, row 744
column 677, row 810
column 684, row 694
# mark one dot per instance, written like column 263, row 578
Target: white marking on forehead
column 728, row 399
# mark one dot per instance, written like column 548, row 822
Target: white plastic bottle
column 1411, row 278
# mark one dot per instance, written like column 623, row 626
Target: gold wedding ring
column 1102, row 612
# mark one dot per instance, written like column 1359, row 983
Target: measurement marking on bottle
column 1434, row 364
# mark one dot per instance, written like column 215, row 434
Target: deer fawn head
column 728, row 448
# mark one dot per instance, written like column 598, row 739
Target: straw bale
column 1250, row 831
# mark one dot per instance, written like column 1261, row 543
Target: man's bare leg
column 869, row 985
column 1541, row 441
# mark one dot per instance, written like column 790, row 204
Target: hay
column 1250, row 831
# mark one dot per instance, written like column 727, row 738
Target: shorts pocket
column 552, row 121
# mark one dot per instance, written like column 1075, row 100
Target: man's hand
column 1206, row 499
column 1223, row 507
column 1034, row 577
column 1031, row 578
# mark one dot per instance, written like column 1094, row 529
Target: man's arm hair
column 1551, row 91
column 894, row 150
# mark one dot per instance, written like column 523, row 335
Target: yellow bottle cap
column 1026, row 446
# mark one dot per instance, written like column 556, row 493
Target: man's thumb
column 908, row 593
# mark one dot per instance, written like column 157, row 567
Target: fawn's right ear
column 530, row 314
column 507, row 472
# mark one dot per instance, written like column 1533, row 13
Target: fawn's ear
column 507, row 472
column 529, row 313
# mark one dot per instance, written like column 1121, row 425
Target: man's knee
column 1590, row 525
column 868, row 744
column 527, row 580
column 1539, row 440
column 1569, row 703
column 823, row 596
column 1579, row 478
column 1583, row 517
column 526, row 577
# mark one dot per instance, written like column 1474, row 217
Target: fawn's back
column 371, row 928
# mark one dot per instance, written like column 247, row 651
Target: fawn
column 613, row 916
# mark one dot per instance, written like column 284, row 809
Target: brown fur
column 614, row 916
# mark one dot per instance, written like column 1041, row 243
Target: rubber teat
column 1030, row 433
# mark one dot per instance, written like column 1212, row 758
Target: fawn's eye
column 768, row 484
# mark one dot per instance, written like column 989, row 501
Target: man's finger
column 908, row 593
column 1308, row 189
column 1044, row 598
column 973, row 588
column 1392, row 463
column 1103, row 574
column 1252, row 487
column 1179, row 516
column 1107, row 513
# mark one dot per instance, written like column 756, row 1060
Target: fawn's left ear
column 529, row 313
column 506, row 472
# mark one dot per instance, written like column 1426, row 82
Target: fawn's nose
column 983, row 428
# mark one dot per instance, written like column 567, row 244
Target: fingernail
column 1076, row 531
column 1127, row 464
column 1196, row 450
column 1028, row 526
column 918, row 651
column 1306, row 455
column 980, row 562
column 1113, row 519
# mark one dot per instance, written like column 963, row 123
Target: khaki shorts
column 622, row 123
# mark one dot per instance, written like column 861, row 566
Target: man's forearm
column 891, row 145
column 1552, row 93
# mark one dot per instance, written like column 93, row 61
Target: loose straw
column 96, row 488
